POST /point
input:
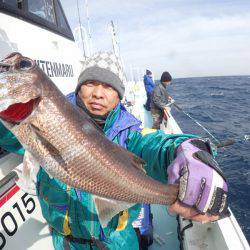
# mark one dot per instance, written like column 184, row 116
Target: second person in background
column 160, row 99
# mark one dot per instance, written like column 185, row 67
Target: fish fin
column 54, row 152
column 137, row 162
column 107, row 208
column 27, row 173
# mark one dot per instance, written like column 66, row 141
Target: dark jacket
column 159, row 97
column 149, row 84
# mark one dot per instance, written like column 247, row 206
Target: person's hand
column 166, row 111
column 170, row 98
column 191, row 213
column 202, row 187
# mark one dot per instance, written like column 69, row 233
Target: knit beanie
column 103, row 67
column 166, row 77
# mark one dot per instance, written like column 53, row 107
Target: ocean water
column 222, row 105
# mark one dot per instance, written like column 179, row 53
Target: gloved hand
column 201, row 181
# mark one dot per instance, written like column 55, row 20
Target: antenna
column 80, row 26
column 114, row 40
column 132, row 73
column 115, row 44
column 88, row 24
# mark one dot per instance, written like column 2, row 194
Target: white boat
column 40, row 30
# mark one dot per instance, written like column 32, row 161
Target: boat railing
column 7, row 182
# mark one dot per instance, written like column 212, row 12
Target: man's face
column 166, row 83
column 99, row 98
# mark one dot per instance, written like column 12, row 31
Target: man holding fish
column 90, row 189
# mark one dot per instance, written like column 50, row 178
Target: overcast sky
column 186, row 38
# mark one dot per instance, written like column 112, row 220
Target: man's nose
column 98, row 91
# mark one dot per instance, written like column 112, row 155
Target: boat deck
column 165, row 229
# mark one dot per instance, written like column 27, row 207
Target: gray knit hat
column 104, row 67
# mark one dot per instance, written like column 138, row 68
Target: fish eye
column 25, row 64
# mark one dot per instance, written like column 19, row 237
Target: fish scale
column 69, row 146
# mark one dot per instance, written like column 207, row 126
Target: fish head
column 20, row 88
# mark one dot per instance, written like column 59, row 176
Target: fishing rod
column 188, row 115
column 230, row 142
column 219, row 144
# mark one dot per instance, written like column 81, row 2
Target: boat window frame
column 34, row 19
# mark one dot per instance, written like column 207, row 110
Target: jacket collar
column 118, row 119
column 122, row 121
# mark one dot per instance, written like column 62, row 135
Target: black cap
column 166, row 77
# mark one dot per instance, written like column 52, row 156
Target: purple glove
column 201, row 181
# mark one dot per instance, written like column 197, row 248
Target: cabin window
column 14, row 3
column 61, row 20
column 47, row 14
column 43, row 9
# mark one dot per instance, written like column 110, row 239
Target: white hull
column 47, row 48
column 21, row 223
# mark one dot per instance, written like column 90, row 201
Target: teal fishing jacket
column 72, row 212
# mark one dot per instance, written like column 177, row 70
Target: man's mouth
column 96, row 105
column 17, row 112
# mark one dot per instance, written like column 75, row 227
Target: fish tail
column 107, row 208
